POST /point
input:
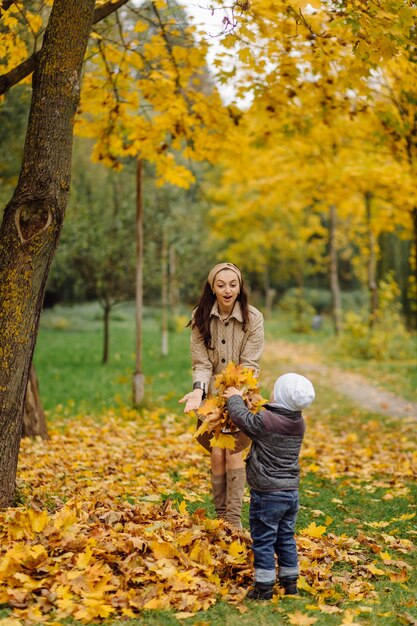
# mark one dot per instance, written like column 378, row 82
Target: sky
column 211, row 23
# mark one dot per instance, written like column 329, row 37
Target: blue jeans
column 272, row 518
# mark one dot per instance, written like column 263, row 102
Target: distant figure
column 225, row 327
column 273, row 474
column 317, row 321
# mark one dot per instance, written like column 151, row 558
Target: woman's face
column 226, row 288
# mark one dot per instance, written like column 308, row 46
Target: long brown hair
column 205, row 304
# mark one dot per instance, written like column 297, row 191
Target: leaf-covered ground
column 114, row 520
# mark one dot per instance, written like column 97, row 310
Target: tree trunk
column 270, row 294
column 164, row 294
column 33, row 218
column 34, row 422
column 334, row 272
column 413, row 297
column 174, row 291
column 373, row 294
column 138, row 377
column 106, row 333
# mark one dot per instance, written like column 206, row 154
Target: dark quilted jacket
column 277, row 435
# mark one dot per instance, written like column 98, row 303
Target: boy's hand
column 232, row 391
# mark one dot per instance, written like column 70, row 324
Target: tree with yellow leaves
column 314, row 71
column 115, row 90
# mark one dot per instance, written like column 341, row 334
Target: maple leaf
column 223, row 441
column 163, row 549
column 214, row 408
column 375, row 570
column 300, row 619
column 313, row 530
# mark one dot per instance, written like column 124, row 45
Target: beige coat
column 230, row 344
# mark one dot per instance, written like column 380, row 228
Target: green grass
column 69, row 352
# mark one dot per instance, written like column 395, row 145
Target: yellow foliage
column 99, row 555
column 214, row 408
column 313, row 530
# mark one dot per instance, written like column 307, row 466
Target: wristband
column 199, row 385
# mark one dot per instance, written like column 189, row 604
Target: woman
column 224, row 328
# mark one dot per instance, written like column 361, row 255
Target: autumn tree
column 312, row 71
column 97, row 248
column 33, row 218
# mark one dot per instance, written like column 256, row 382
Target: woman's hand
column 232, row 391
column 192, row 400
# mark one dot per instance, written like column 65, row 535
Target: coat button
column 226, row 323
column 223, row 360
column 223, row 340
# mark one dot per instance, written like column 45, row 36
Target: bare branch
column 107, row 9
column 18, row 73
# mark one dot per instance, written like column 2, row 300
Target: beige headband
column 223, row 266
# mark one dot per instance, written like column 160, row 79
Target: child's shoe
column 261, row 591
column 289, row 585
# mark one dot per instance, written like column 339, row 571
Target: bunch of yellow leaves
column 214, row 412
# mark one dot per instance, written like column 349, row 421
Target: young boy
column 272, row 469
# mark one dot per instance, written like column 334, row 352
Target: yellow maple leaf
column 38, row 520
column 223, row 441
column 237, row 551
column 93, row 608
column 313, row 530
column 300, row 619
column 404, row 517
column 303, row 584
column 183, row 508
column 163, row 549
column 84, row 558
column 201, row 553
column 65, row 518
column 161, row 602
column 375, row 570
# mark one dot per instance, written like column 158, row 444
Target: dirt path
column 307, row 360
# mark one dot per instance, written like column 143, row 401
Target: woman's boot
column 235, row 489
column 218, row 487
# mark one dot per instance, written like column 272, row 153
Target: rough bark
column 18, row 73
column 33, row 218
column 138, row 377
column 34, row 421
column 334, row 272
